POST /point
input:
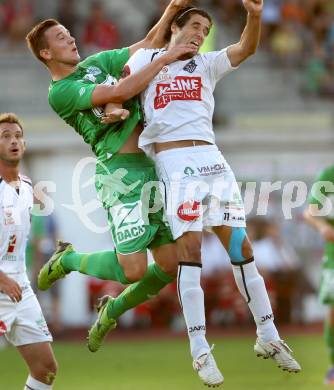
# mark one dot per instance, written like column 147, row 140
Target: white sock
column 191, row 298
column 251, row 285
column 34, row 384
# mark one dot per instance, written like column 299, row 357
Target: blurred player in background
column 78, row 93
column 320, row 215
column 200, row 188
column 21, row 318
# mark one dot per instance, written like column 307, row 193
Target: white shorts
column 199, row 189
column 23, row 322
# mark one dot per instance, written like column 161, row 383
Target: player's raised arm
column 156, row 36
column 250, row 37
column 136, row 83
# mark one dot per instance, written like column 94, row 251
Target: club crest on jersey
column 181, row 88
column 189, row 211
column 190, row 67
column 94, row 70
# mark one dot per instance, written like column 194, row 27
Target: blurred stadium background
column 273, row 122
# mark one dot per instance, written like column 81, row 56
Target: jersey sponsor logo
column 189, row 211
column 130, row 233
column 208, row 170
column 196, row 328
column 127, row 221
column 12, row 244
column 188, row 171
column 182, row 88
column 3, row 328
column 190, row 67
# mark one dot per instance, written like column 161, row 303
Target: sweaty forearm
column 136, row 83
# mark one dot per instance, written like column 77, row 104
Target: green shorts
column 326, row 292
column 127, row 186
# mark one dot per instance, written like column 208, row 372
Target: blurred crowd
column 96, row 32
column 296, row 33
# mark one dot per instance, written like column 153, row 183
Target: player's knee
column 46, row 371
column 240, row 248
column 169, row 266
column 247, row 249
column 135, row 272
column 190, row 248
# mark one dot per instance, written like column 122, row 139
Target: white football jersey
column 178, row 103
column 15, row 208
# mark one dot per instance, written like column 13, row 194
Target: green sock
column 329, row 340
column 102, row 265
column 151, row 283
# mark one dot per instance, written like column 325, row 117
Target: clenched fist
column 253, row 7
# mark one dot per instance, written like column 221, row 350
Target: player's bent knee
column 247, row 249
column 135, row 273
column 240, row 248
column 169, row 267
column 46, row 371
column 190, row 249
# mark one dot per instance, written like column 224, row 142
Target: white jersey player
column 21, row 318
column 199, row 187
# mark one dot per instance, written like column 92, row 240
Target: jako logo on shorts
column 189, row 211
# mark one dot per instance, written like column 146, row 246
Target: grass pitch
column 166, row 365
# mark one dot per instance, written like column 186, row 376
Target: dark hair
column 9, row 117
column 36, row 40
column 181, row 18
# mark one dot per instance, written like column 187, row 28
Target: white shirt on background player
column 182, row 97
column 15, row 208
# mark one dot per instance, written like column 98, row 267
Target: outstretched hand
column 253, row 7
column 180, row 52
column 117, row 115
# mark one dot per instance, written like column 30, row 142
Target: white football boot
column 279, row 351
column 207, row 369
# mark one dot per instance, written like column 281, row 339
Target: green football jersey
column 71, row 99
column 327, row 175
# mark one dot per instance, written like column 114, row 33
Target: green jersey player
column 320, row 214
column 78, row 92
